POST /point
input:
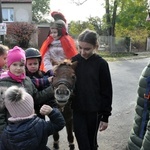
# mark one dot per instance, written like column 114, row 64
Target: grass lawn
column 115, row 55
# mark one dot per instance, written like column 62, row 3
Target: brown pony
column 63, row 83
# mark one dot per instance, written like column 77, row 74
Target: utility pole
column 1, row 20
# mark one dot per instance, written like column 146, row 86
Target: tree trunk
column 108, row 20
column 114, row 17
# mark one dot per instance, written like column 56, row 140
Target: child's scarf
column 17, row 78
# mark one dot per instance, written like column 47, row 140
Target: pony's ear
column 74, row 65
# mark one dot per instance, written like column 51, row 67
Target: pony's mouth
column 61, row 102
column 62, row 98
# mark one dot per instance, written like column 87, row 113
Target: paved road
column 125, row 76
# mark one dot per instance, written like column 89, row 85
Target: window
column 8, row 14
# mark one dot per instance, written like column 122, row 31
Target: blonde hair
column 3, row 49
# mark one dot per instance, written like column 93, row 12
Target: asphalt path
column 125, row 76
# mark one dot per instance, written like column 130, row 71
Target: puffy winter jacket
column 141, row 118
column 31, row 134
column 40, row 97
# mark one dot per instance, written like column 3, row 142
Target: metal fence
column 114, row 44
column 123, row 44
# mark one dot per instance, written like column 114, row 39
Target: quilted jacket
column 141, row 118
column 31, row 134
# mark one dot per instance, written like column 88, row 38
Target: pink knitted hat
column 16, row 54
column 19, row 104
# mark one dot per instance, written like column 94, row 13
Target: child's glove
column 50, row 73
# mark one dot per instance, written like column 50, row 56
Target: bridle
column 64, row 82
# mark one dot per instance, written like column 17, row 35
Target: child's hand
column 45, row 110
column 103, row 126
column 50, row 79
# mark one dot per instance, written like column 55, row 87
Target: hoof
column 72, row 147
column 56, row 146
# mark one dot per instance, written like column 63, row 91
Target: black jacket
column 93, row 89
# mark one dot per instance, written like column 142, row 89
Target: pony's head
column 64, row 81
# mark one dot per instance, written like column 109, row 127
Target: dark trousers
column 85, row 129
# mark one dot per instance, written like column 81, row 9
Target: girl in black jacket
column 93, row 92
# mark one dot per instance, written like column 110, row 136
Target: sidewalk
column 144, row 54
column 137, row 55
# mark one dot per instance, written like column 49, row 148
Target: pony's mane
column 66, row 62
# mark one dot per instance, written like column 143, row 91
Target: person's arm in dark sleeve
column 40, row 97
column 56, row 120
column 106, row 91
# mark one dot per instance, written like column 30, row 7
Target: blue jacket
column 31, row 134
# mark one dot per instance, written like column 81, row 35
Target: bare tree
column 78, row 2
column 108, row 20
column 111, row 17
column 114, row 18
column 111, row 14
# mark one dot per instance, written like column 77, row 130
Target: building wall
column 22, row 11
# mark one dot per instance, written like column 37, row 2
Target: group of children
column 29, row 95
column 21, row 99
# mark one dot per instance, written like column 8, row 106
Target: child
column 39, row 78
column 3, row 55
column 93, row 92
column 15, row 75
column 25, row 130
column 33, row 61
column 59, row 16
column 57, row 47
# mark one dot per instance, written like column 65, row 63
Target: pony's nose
column 62, row 91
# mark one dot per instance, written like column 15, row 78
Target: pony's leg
column 67, row 113
column 70, row 137
column 56, row 140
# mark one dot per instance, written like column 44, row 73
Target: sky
column 91, row 8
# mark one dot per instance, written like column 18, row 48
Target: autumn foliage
column 20, row 33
